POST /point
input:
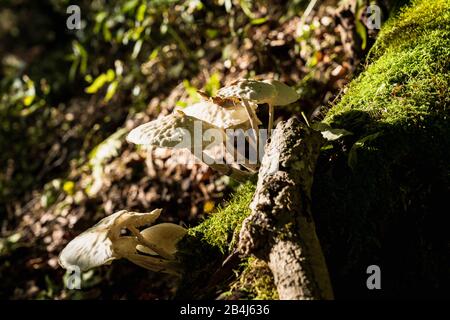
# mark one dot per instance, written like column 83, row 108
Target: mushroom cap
column 165, row 235
column 102, row 243
column 176, row 130
column 253, row 90
column 217, row 115
column 285, row 94
column 90, row 249
column 134, row 219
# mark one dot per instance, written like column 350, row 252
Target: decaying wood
column 281, row 229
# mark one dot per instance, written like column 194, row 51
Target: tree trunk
column 281, row 229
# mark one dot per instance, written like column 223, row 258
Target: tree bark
column 281, row 229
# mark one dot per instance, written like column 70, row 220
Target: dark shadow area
column 389, row 209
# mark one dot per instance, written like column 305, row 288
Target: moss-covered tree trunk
column 380, row 196
column 281, row 229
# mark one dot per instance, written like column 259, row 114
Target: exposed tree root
column 280, row 229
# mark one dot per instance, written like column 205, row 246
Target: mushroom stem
column 253, row 121
column 227, row 169
column 152, row 246
column 271, row 116
column 236, row 153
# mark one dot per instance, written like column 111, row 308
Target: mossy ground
column 220, row 230
column 382, row 197
column 255, row 281
column 212, row 241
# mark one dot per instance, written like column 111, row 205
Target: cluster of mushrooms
column 210, row 122
column 154, row 248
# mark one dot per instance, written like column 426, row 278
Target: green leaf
column 326, row 147
column 181, row 104
column 129, row 6
column 191, row 90
column 154, row 54
column 99, row 18
column 212, row 33
column 110, row 75
column 353, row 154
column 361, row 31
column 80, row 55
column 213, row 85
column 140, row 15
column 258, row 21
column 106, row 32
column 98, row 83
column 329, row 133
column 246, row 7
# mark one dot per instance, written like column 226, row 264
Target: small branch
column 281, row 229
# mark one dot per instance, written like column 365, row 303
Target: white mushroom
column 224, row 115
column 233, row 107
column 284, row 95
column 177, row 130
column 250, row 92
column 272, row 92
column 217, row 115
column 104, row 243
column 166, row 235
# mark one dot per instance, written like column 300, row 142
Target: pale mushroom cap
column 256, row 91
column 165, row 235
column 90, row 249
column 137, row 219
column 285, row 94
column 217, row 115
column 125, row 246
column 177, row 130
column 102, row 243
column 166, row 131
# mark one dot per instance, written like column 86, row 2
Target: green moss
column 408, row 77
column 220, row 229
column 377, row 193
column 413, row 22
column 255, row 282
column 205, row 247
